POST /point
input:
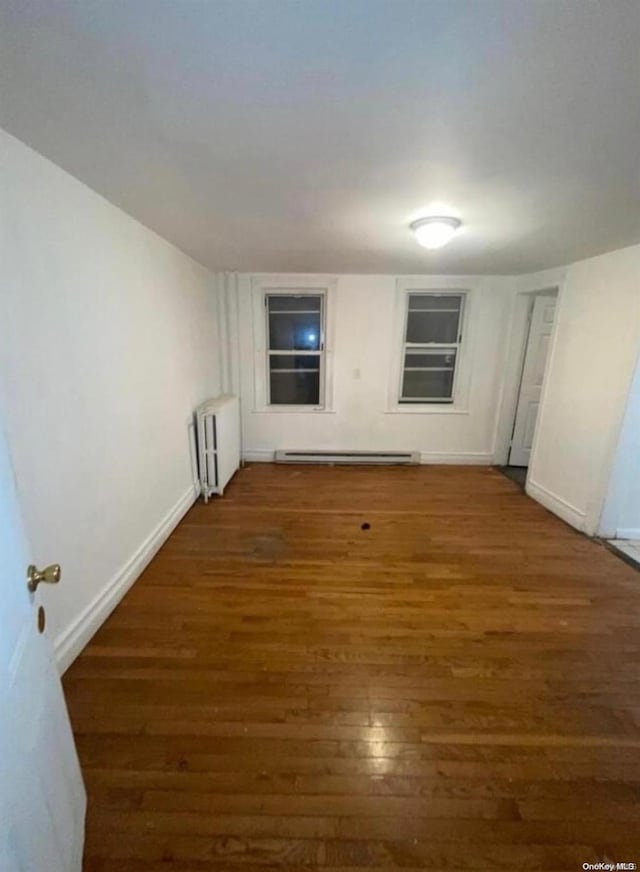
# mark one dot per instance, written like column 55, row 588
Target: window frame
column 291, row 285
column 420, row 284
column 320, row 352
column 407, row 347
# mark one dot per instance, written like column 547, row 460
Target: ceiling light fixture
column 436, row 231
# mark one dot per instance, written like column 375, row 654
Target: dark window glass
column 430, row 359
column 301, row 388
column 436, row 326
column 294, row 331
column 294, row 361
column 302, row 303
column 427, row 384
column 434, row 302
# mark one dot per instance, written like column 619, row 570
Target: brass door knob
column 50, row 575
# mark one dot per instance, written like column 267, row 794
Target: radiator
column 218, row 430
column 371, row 457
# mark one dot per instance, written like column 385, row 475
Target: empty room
column 319, row 435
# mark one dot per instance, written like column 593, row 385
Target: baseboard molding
column 628, row 533
column 71, row 642
column 79, row 839
column 473, row 458
column 557, row 505
column 460, row 458
column 259, row 455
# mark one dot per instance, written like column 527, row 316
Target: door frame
column 518, row 337
column 525, row 351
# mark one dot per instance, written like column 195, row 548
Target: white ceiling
column 304, row 135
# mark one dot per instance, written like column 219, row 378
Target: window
column 432, row 337
column 293, row 327
column 295, row 349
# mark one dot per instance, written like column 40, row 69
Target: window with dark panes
column 295, row 331
column 432, row 337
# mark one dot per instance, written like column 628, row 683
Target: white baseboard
column 460, row 458
column 79, row 839
column 259, row 455
column 628, row 533
column 557, row 505
column 479, row 458
column 71, row 642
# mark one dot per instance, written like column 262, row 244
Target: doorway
column 541, row 317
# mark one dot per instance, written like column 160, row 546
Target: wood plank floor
column 456, row 687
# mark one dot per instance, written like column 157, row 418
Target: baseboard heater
column 355, row 457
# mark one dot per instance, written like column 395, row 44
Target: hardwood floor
column 457, row 687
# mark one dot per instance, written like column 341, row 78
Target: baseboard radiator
column 218, row 435
column 349, row 457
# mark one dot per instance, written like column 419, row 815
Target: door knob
column 50, row 575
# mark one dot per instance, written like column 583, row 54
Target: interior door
column 42, row 797
column 535, row 361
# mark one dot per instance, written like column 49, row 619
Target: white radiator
column 218, row 423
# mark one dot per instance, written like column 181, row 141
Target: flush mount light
column 436, row 231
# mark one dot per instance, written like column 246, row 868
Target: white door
column 535, row 361
column 42, row 798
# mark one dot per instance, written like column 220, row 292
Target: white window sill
column 292, row 410
column 417, row 409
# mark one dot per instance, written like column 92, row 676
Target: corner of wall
column 554, row 503
column 71, row 642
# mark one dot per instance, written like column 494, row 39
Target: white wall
column 107, row 342
column 364, row 344
column 621, row 517
column 594, row 349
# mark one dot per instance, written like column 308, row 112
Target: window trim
column 431, row 346
column 290, row 285
column 441, row 285
column 296, row 353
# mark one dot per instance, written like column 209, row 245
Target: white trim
column 628, row 533
column 461, row 458
column 292, row 410
column 544, row 303
column 71, row 642
column 259, row 455
column 320, row 352
column 556, row 504
column 417, row 409
column 427, row 348
column 261, row 286
column 553, row 343
column 78, row 851
column 347, row 458
column 462, row 377
column 511, row 367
